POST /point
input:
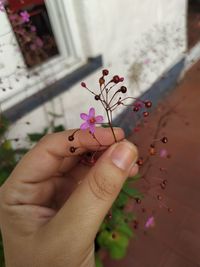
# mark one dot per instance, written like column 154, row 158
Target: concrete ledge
column 27, row 105
column 127, row 119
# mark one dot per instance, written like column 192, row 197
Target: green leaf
column 98, row 261
column 4, row 124
column 118, row 253
column 121, row 200
column 58, row 128
column 105, row 125
column 133, row 178
column 132, row 192
column 125, row 229
column 35, row 137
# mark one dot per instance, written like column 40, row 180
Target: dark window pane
column 32, row 27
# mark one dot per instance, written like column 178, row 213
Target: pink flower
column 163, row 153
column 150, row 222
column 25, row 16
column 90, row 120
column 39, row 42
column 2, row 5
column 33, row 28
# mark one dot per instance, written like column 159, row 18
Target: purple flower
column 33, row 28
column 90, row 120
column 25, row 16
column 163, row 153
column 150, row 222
column 2, row 5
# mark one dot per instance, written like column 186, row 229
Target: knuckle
column 105, row 184
column 45, row 138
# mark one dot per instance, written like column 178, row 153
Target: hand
column 52, row 205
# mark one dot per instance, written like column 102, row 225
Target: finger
column 134, row 170
column 47, row 156
column 90, row 202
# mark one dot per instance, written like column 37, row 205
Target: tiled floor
column 175, row 241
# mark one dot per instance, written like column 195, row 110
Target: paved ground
column 175, row 241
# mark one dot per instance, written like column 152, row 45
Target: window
column 63, row 56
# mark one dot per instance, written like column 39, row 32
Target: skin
column 52, row 205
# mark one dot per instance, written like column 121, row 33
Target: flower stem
column 110, row 124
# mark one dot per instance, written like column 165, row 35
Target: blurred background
column 48, row 47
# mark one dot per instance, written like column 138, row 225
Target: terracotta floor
column 175, row 241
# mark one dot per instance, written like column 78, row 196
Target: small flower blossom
column 2, row 5
column 163, row 153
column 150, row 222
column 25, row 16
column 33, row 28
column 90, row 120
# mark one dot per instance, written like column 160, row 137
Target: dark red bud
column 135, row 109
column 101, row 81
column 83, row 84
column 105, row 72
column 116, row 79
column 148, row 104
column 71, row 138
column 145, row 114
column 123, row 89
column 164, row 140
column 97, row 97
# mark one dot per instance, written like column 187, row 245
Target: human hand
column 52, row 205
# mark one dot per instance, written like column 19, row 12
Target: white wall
column 139, row 40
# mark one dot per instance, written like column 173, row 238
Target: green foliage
column 98, row 261
column 116, row 232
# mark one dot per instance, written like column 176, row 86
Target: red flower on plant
column 90, row 120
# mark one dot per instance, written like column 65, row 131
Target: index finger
column 46, row 157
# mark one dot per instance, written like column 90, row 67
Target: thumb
column 90, row 202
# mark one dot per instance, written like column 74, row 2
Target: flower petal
column 84, row 126
column 92, row 128
column 84, row 116
column 99, row 119
column 92, row 112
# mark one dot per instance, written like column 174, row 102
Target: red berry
column 148, row 104
column 101, row 81
column 145, row 114
column 114, row 235
column 162, row 186
column 138, row 201
column 116, row 79
column 72, row 149
column 121, row 79
column 71, row 138
column 136, row 109
column 123, row 89
column 140, row 161
column 164, row 140
column 159, row 197
column 97, row 97
column 105, row 72
column 152, row 151
column 83, row 84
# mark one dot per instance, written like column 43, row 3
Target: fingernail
column 124, row 155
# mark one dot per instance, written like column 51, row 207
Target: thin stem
column 110, row 124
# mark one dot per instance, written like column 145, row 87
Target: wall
column 139, row 40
